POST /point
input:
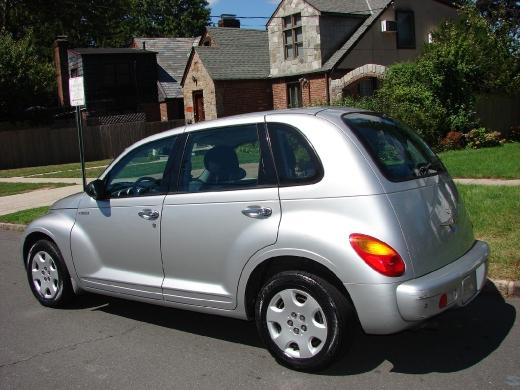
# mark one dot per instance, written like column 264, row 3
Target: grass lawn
column 24, row 217
column 495, row 213
column 73, row 167
column 498, row 162
column 18, row 188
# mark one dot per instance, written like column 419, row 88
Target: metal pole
column 79, row 125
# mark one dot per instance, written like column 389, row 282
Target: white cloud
column 212, row 2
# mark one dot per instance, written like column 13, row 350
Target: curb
column 12, row 226
column 508, row 288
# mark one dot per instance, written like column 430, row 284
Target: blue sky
column 244, row 8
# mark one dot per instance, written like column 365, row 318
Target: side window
column 143, row 172
column 222, row 159
column 296, row 161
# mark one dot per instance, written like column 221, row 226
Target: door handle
column 148, row 214
column 257, row 212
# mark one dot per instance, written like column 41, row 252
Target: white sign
column 76, row 91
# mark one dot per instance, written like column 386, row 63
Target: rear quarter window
column 295, row 159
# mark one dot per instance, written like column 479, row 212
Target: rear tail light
column 378, row 255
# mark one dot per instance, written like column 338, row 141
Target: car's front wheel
column 304, row 320
column 48, row 275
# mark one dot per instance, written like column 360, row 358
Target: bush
column 453, row 140
column 482, row 138
column 514, row 133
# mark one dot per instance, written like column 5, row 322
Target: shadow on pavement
column 451, row 342
column 455, row 340
column 227, row 329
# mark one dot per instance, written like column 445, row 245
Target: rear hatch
column 427, row 204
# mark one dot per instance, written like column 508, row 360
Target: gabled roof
column 235, row 54
column 172, row 56
column 377, row 7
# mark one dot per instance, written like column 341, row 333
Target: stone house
column 323, row 50
column 227, row 73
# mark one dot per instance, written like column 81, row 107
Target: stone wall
column 198, row 79
column 368, row 70
column 311, row 58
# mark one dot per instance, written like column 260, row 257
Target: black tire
column 63, row 292
column 337, row 309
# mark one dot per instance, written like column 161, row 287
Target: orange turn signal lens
column 377, row 254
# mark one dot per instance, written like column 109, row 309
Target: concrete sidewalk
column 28, row 200
column 72, row 180
column 488, row 182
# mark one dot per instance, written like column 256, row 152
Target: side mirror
column 96, row 189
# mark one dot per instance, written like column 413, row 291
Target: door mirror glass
column 96, row 189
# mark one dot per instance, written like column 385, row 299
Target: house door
column 198, row 103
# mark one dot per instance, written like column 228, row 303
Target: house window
column 405, row 29
column 294, row 95
column 293, row 36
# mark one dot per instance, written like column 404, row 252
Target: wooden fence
column 499, row 112
column 45, row 146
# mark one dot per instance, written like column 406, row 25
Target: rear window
column 399, row 152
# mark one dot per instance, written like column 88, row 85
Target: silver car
column 308, row 221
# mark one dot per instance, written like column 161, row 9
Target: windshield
column 399, row 152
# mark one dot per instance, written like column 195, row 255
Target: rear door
column 227, row 208
column 425, row 199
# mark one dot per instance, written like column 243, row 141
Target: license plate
column 469, row 287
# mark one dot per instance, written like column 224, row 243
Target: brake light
column 378, row 255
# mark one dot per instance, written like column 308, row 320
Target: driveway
column 109, row 343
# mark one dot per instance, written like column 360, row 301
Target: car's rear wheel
column 48, row 275
column 304, row 320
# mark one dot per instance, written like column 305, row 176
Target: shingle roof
column 109, row 50
column 378, row 7
column 341, row 6
column 238, row 54
column 173, row 54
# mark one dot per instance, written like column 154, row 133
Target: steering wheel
column 138, row 188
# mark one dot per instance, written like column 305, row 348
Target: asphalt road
column 114, row 344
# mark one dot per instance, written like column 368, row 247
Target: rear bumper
column 460, row 281
column 390, row 308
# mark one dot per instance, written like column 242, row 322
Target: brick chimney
column 61, row 65
column 229, row 20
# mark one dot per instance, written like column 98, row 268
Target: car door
column 226, row 209
column 116, row 242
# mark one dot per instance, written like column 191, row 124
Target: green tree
column 25, row 80
column 157, row 18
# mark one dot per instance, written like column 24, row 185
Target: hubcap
column 296, row 323
column 45, row 275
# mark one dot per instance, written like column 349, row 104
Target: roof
column 109, row 50
column 172, row 56
column 341, row 6
column 377, row 7
column 237, row 54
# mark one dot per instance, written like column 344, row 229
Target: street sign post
column 77, row 99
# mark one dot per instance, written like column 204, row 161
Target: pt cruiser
column 307, row 221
